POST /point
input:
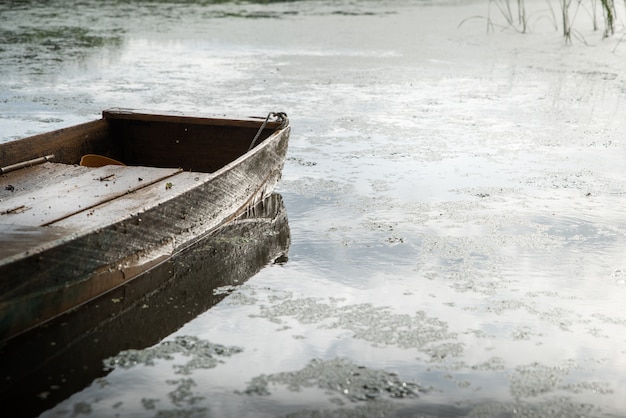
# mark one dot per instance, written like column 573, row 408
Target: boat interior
column 51, row 178
column 135, row 139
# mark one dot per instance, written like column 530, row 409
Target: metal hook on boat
column 280, row 117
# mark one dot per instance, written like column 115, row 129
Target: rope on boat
column 280, row 117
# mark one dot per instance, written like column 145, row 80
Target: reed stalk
column 567, row 29
column 515, row 15
column 521, row 15
column 594, row 15
column 609, row 10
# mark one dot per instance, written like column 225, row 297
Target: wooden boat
column 64, row 355
column 70, row 232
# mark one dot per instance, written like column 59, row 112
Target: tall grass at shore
column 562, row 14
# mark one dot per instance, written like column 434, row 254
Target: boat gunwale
column 116, row 113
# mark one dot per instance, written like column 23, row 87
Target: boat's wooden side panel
column 193, row 147
column 83, row 188
column 67, row 144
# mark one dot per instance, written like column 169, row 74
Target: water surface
column 456, row 201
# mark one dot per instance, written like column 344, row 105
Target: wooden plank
column 192, row 147
column 67, row 144
column 137, row 202
column 34, row 178
column 49, row 202
column 187, row 118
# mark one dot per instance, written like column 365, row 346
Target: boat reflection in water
column 40, row 368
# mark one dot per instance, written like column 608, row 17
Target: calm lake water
column 456, row 202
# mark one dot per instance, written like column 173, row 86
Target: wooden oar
column 94, row 160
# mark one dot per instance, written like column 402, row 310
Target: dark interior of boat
column 190, row 143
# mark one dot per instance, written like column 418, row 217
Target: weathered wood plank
column 50, row 202
column 188, row 146
column 135, row 203
column 127, row 114
column 35, row 178
column 67, row 144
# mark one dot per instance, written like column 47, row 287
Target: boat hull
column 88, row 254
